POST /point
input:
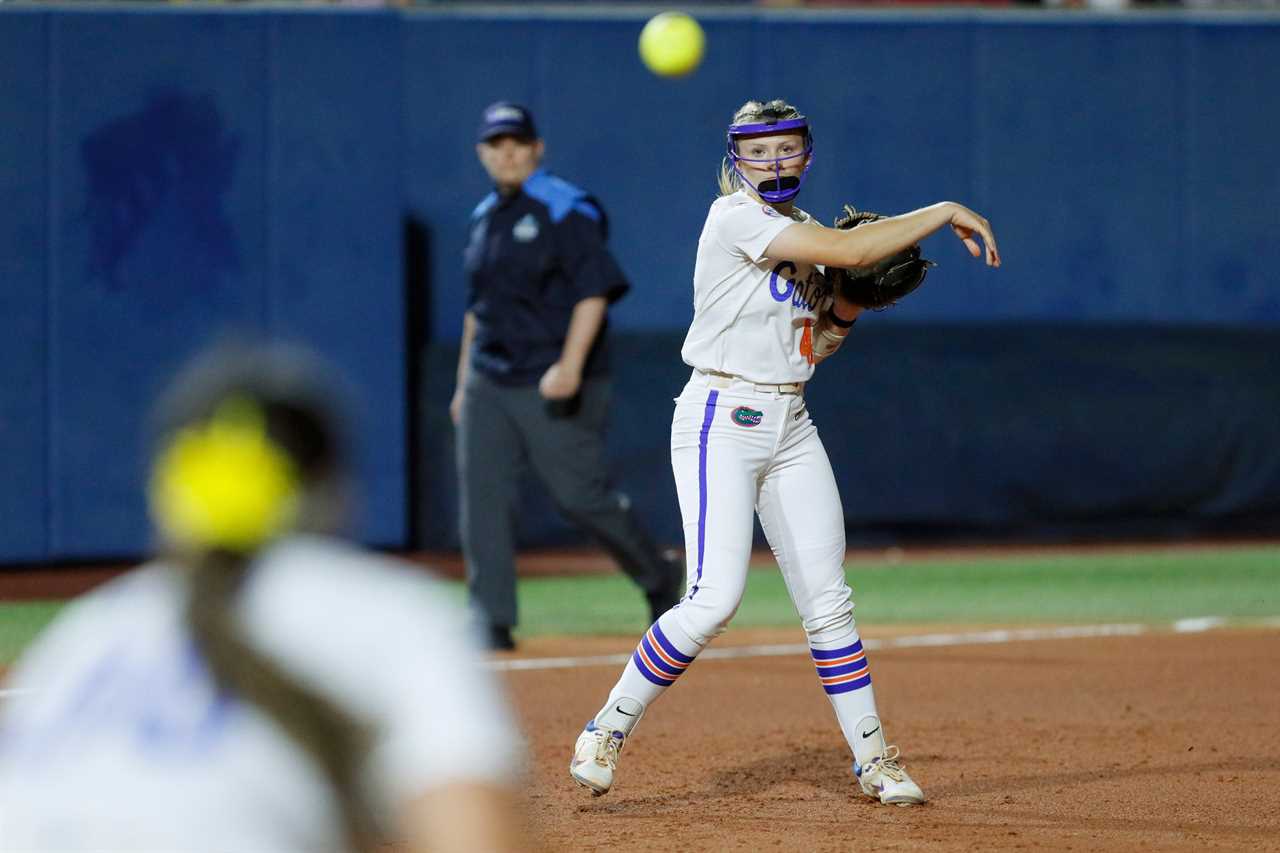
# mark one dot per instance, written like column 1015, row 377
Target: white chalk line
column 963, row 638
column 966, row 638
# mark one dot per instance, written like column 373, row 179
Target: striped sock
column 664, row 652
column 842, row 669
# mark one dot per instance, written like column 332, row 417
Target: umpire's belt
column 716, row 379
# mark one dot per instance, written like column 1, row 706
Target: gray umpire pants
column 502, row 430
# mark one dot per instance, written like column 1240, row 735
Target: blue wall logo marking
column 160, row 178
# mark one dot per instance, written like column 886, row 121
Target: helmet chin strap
column 779, row 188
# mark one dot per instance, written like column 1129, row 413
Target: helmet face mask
column 779, row 188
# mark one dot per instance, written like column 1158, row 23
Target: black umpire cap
column 505, row 118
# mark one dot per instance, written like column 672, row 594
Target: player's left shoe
column 877, row 769
column 886, row 780
column 595, row 757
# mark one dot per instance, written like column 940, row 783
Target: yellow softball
column 671, row 44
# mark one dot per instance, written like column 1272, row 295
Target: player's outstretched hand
column 969, row 226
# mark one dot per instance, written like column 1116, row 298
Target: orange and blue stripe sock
column 662, row 655
column 846, row 678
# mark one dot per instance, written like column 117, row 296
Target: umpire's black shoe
column 499, row 638
column 673, row 588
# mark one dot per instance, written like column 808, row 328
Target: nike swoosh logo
column 870, row 733
column 618, row 708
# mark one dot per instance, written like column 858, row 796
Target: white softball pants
column 738, row 450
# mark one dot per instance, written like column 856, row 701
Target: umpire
column 533, row 385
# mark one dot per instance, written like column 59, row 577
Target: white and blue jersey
column 115, row 738
column 752, row 316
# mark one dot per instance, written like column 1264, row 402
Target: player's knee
column 705, row 617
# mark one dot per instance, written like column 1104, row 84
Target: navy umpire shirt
column 531, row 258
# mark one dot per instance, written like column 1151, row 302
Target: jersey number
column 806, row 340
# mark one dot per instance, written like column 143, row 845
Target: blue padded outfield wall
column 169, row 175
column 167, row 179
column 1128, row 162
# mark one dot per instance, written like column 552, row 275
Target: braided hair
column 248, row 451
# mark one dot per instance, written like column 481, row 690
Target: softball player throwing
column 261, row 686
column 741, row 439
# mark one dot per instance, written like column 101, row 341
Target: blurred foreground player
column 261, row 685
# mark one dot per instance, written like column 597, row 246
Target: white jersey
column 114, row 738
column 752, row 315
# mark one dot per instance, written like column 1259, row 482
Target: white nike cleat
column 884, row 779
column 595, row 757
column 875, row 764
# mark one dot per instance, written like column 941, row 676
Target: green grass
column 1237, row 583
column 19, row 622
column 1143, row 587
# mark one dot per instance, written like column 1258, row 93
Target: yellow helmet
column 246, row 440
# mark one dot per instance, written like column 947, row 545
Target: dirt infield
column 1157, row 742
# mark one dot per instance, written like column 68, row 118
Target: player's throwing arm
column 872, row 238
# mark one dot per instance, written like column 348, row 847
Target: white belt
column 716, row 379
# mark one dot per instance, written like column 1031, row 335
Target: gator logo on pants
column 746, row 417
